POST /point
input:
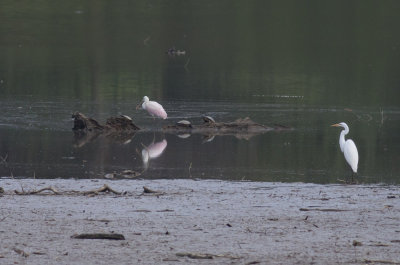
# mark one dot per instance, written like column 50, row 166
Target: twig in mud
column 38, row 253
column 369, row 261
column 21, row 252
column 4, row 218
column 36, row 191
column 99, row 236
column 322, row 210
column 204, row 255
column 195, row 255
column 105, row 188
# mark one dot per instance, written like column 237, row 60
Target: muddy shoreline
column 199, row 222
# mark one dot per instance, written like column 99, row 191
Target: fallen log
column 240, row 128
column 121, row 123
column 120, row 129
column 87, row 129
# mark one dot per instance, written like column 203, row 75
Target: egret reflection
column 153, row 151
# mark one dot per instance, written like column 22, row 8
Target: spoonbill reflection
column 348, row 147
column 153, row 151
column 153, row 108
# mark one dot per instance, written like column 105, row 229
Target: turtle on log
column 122, row 128
column 241, row 128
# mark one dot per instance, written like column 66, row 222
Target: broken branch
column 99, row 236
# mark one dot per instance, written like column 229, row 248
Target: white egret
column 153, row 108
column 348, row 147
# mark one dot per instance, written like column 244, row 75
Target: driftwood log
column 240, row 128
column 120, row 129
column 116, row 124
column 123, row 128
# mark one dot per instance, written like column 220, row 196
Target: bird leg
column 352, row 178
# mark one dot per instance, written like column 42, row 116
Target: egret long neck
column 342, row 140
column 342, row 134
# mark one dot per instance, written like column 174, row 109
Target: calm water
column 304, row 64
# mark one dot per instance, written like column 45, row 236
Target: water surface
column 303, row 64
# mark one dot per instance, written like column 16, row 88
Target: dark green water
column 304, row 64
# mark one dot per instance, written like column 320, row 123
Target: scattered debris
column 379, row 245
column 205, row 255
column 21, row 252
column 172, row 51
column 195, row 255
column 110, row 236
column 391, row 197
column 105, row 188
column 165, row 210
column 97, row 220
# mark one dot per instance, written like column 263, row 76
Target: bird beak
column 139, row 105
column 335, row 125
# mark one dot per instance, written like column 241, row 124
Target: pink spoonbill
column 153, row 108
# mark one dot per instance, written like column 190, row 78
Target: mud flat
column 198, row 222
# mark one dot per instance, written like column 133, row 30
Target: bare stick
column 186, row 64
column 4, row 159
column 322, row 210
column 36, row 191
column 111, row 236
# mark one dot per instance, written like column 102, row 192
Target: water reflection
column 153, row 151
column 299, row 63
